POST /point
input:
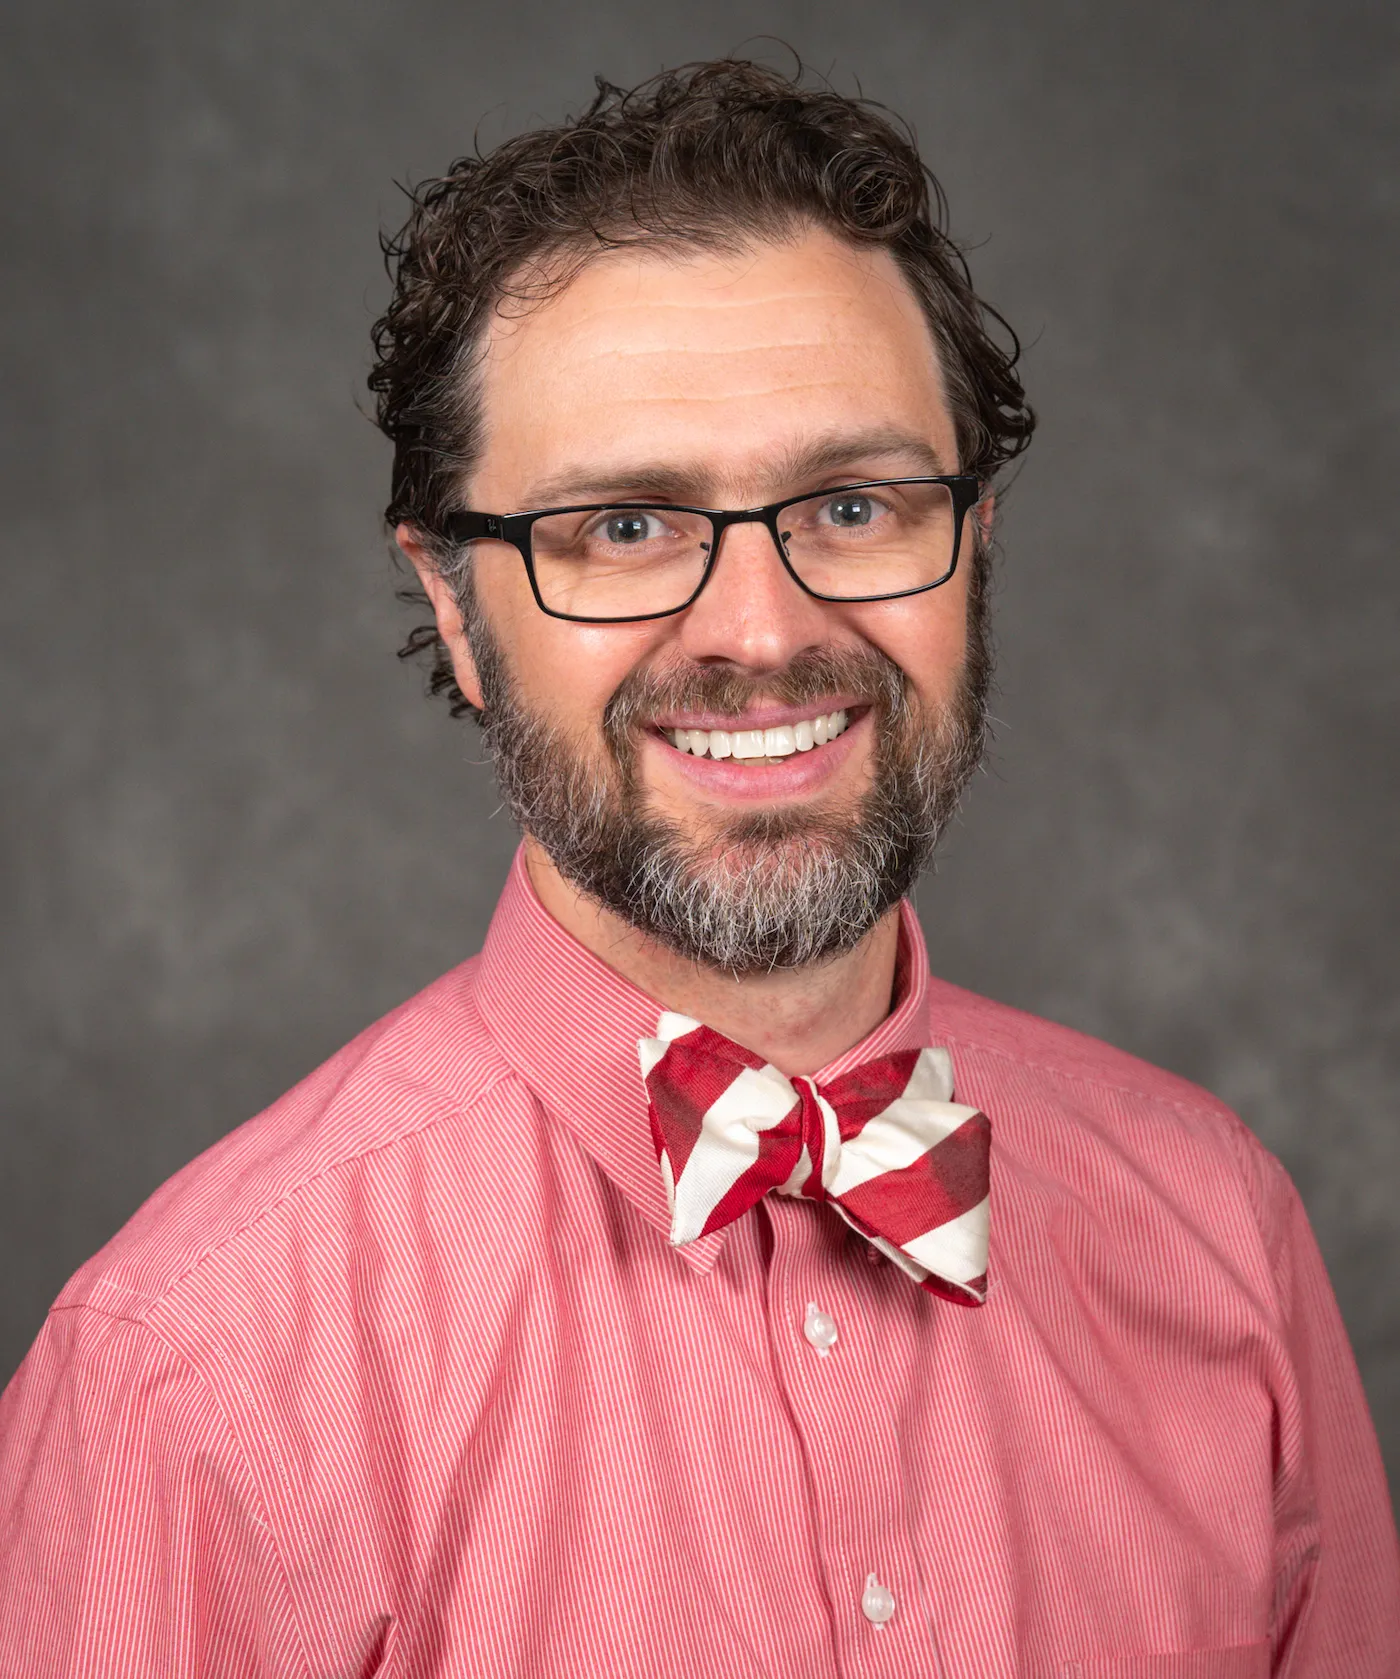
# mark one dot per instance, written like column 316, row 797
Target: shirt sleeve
column 131, row 1535
column 1336, row 1610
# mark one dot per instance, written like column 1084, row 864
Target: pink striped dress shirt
column 403, row 1378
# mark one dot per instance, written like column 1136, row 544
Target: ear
column 445, row 611
column 985, row 513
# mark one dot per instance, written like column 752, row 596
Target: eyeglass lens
column 633, row 561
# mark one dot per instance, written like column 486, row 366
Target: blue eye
column 850, row 510
column 624, row 528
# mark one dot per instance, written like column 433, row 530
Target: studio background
column 234, row 830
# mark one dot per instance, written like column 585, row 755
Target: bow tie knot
column 897, row 1158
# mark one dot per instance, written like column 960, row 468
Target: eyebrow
column 673, row 481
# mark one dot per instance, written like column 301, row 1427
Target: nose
column 752, row 612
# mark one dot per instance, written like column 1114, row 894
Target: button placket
column 844, row 1413
column 820, row 1329
column 877, row 1603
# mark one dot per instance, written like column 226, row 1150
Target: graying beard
column 819, row 897
column 783, row 889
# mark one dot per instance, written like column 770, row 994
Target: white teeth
column 760, row 745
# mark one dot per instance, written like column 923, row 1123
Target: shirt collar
column 569, row 1025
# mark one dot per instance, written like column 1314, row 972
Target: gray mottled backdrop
column 235, row 832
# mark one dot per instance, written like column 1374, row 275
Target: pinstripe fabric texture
column 405, row 1378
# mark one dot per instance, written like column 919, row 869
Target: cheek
column 563, row 671
column 925, row 635
column 569, row 672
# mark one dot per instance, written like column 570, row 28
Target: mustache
column 814, row 674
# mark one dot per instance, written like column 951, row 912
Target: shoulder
column 1039, row 1047
column 1028, row 1068
column 427, row 1065
column 1096, row 1149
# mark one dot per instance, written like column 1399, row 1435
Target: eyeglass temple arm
column 464, row 527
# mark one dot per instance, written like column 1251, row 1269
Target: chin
column 776, row 826
column 770, row 848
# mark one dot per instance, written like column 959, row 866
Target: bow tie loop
column 885, row 1144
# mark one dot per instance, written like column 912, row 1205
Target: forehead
column 720, row 359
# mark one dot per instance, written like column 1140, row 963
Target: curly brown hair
column 714, row 155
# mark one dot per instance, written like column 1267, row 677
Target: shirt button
column 820, row 1328
column 877, row 1601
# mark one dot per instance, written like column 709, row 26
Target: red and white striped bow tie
column 898, row 1159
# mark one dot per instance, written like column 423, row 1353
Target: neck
column 800, row 1019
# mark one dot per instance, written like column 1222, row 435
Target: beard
column 779, row 888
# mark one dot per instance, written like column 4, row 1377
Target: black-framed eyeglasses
column 613, row 563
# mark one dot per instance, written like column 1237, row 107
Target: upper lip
column 761, row 717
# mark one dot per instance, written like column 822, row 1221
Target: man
column 690, row 1284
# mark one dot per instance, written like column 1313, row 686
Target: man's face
column 725, row 381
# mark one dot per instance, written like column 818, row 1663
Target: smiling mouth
column 760, row 746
